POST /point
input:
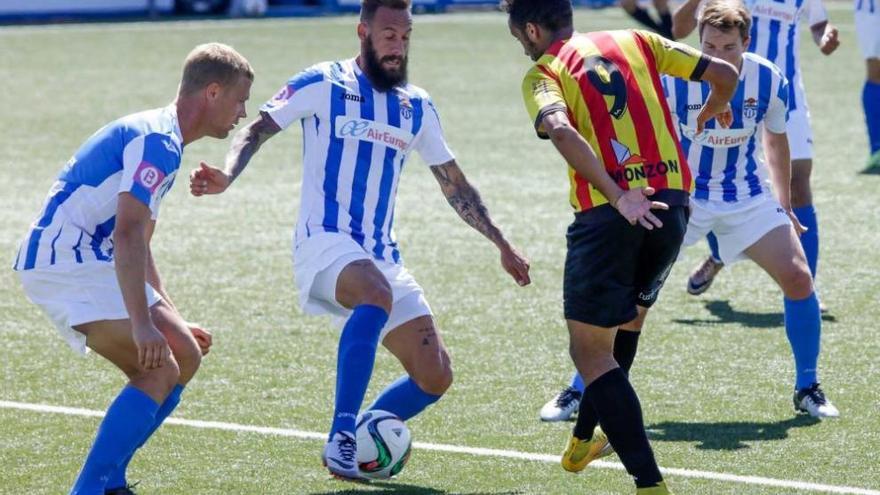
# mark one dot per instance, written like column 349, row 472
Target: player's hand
column 799, row 229
column 203, row 337
column 208, row 180
column 516, row 265
column 153, row 350
column 635, row 207
column 830, row 40
column 720, row 112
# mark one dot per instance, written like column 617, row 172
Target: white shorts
column 868, row 32
column 78, row 294
column 798, row 129
column 317, row 263
column 735, row 228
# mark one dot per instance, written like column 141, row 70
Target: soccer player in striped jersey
column 87, row 263
column 598, row 98
column 775, row 36
column 361, row 119
column 732, row 198
column 867, row 14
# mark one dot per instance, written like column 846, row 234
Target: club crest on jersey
column 406, row 108
column 750, row 108
column 149, row 176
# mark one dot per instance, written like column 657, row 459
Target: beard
column 383, row 79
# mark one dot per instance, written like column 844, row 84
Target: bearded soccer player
column 361, row 119
column 598, row 98
column 87, row 263
column 775, row 35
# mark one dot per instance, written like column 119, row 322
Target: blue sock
column 809, row 239
column 871, row 103
column 713, row 246
column 803, row 326
column 117, row 477
column 577, row 382
column 404, row 398
column 354, row 363
column 128, row 419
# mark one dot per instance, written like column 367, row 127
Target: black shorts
column 612, row 266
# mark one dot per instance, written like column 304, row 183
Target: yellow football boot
column 579, row 452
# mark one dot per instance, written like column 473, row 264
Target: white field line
column 457, row 449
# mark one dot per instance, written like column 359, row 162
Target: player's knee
column 189, row 358
column 438, row 381
column 378, row 294
column 797, row 283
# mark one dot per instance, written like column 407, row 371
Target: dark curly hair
column 549, row 14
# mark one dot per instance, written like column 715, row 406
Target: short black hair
column 369, row 7
column 549, row 14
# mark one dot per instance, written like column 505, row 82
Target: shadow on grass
column 388, row 488
column 726, row 435
column 725, row 313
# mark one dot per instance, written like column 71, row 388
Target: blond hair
column 213, row 63
column 726, row 15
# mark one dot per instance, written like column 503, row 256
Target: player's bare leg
column 362, row 288
column 780, row 254
column 588, row 441
column 419, row 347
column 614, row 400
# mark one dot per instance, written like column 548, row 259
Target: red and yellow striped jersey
column 608, row 83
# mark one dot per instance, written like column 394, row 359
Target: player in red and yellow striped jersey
column 598, row 98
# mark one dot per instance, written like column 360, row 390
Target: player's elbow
column 681, row 29
column 560, row 132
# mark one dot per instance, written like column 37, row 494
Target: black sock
column 620, row 415
column 665, row 29
column 644, row 18
column 625, row 346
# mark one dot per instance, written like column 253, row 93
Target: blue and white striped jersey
column 776, row 37
column 356, row 140
column 139, row 154
column 725, row 162
column 869, row 6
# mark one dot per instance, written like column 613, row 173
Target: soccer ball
column 383, row 444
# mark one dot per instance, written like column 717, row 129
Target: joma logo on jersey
column 645, row 171
column 352, row 97
column 374, row 132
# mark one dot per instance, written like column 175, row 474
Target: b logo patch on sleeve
column 149, row 176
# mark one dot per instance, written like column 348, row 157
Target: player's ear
column 213, row 90
column 363, row 31
column 533, row 32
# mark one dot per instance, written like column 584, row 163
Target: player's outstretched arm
column 633, row 204
column 466, row 201
column 210, row 180
column 684, row 20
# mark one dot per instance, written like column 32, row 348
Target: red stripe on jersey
column 638, row 109
column 667, row 116
column 600, row 118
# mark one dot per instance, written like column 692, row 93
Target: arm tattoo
column 247, row 142
column 465, row 200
